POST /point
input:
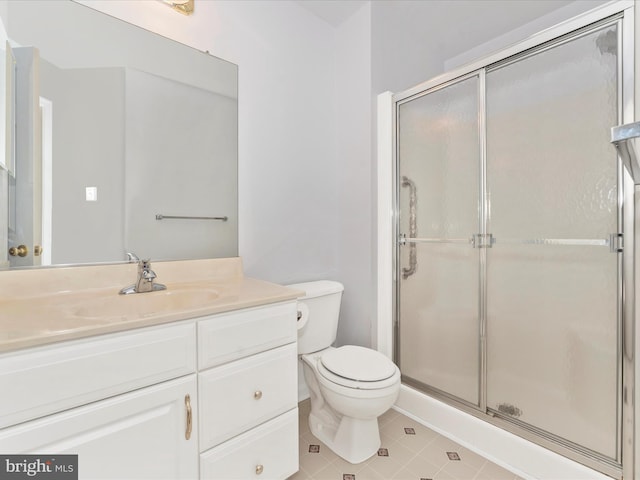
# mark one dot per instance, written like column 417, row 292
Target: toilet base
column 353, row 439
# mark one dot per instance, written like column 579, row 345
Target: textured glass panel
column 438, row 148
column 552, row 173
column 439, row 329
column 439, row 153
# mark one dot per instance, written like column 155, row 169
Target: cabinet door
column 138, row 435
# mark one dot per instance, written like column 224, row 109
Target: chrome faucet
column 145, row 281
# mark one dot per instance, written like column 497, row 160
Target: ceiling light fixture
column 183, row 6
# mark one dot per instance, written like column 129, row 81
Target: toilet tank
column 319, row 309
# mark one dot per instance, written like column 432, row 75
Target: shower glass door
column 509, row 260
column 438, row 198
column 552, row 280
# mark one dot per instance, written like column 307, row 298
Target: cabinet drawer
column 240, row 395
column 271, row 449
column 41, row 381
column 239, row 334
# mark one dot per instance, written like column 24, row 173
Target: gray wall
column 88, row 151
column 353, row 130
column 180, row 160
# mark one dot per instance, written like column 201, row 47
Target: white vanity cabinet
column 247, row 363
column 125, row 403
column 212, row 397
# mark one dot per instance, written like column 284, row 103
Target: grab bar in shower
column 413, row 227
column 159, row 216
column 621, row 137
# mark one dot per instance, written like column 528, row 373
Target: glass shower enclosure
column 509, row 261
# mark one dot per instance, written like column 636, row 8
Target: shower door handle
column 413, row 228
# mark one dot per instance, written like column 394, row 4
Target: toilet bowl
column 349, row 386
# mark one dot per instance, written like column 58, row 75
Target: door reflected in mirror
column 114, row 125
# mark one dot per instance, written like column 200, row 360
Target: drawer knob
column 259, row 469
column 257, row 395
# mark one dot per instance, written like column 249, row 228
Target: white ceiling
column 466, row 12
column 332, row 11
column 450, row 27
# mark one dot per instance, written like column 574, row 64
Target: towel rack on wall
column 159, row 216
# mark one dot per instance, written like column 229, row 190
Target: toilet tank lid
column 318, row 288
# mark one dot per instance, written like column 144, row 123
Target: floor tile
column 491, row 471
column 387, row 416
column 421, row 437
column 368, row 473
column 471, row 459
column 459, row 470
column 347, row 467
column 394, row 428
column 406, row 474
column 400, row 452
column 423, row 467
column 409, row 451
column 331, row 472
column 385, row 466
column 300, row 475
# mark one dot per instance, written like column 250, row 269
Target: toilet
column 349, row 386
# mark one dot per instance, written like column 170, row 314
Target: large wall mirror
column 113, row 139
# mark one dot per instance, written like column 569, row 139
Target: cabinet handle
column 259, row 469
column 187, row 403
column 257, row 394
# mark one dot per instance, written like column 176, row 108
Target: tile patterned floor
column 409, row 451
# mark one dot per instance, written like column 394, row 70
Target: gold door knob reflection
column 19, row 251
column 37, row 250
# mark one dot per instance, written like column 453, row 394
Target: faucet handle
column 144, row 264
column 132, row 257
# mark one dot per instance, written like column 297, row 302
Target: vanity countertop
column 43, row 306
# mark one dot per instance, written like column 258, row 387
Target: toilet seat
column 358, row 367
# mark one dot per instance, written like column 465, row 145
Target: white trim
column 46, row 108
column 384, row 341
column 523, row 458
